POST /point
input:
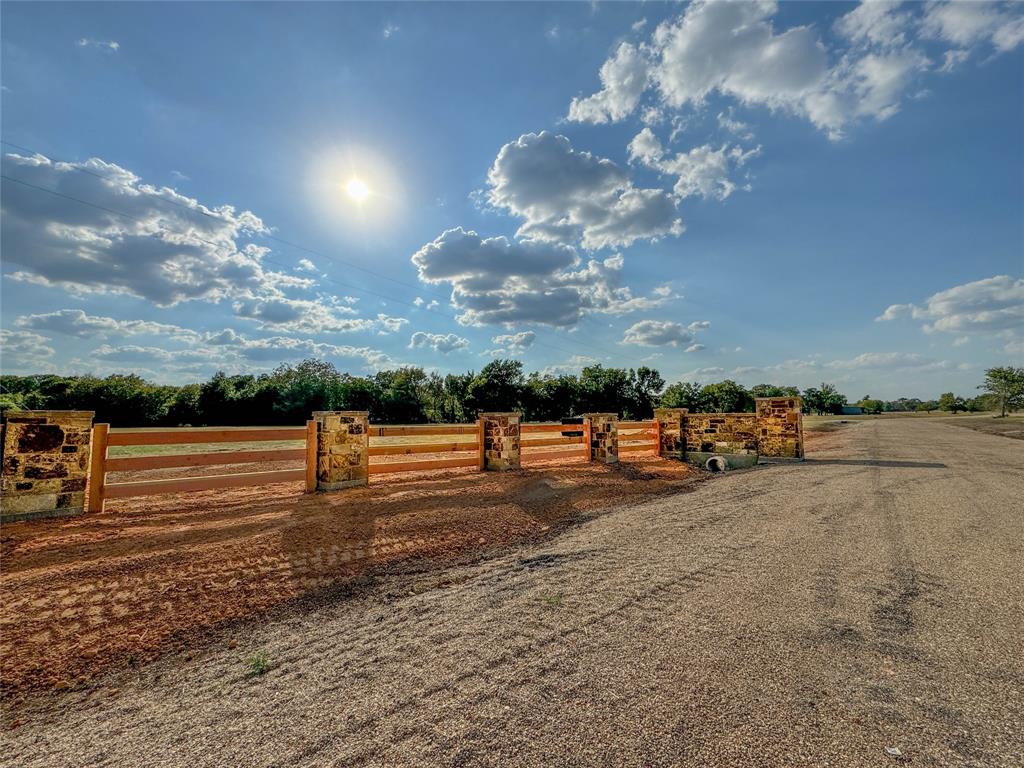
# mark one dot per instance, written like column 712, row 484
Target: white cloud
column 442, row 343
column 657, row 333
column 564, row 195
column 497, row 281
column 573, row 365
column 702, row 171
column 623, row 80
column 25, row 352
column 390, row 30
column 277, row 348
column 727, row 122
column 733, row 49
column 75, row 322
column 992, row 307
column 306, row 265
column 514, row 343
column 110, row 46
column 166, row 248
column 695, row 348
column 970, row 23
column 878, row 22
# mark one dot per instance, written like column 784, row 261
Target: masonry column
column 342, row 449
column 501, row 440
column 671, row 431
column 45, row 463
column 780, row 427
column 604, row 437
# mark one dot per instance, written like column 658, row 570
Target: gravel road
column 801, row 614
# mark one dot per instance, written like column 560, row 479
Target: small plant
column 552, row 599
column 256, row 665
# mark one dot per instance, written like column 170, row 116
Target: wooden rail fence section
column 639, row 436
column 103, row 438
column 464, row 441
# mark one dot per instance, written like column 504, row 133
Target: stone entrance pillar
column 671, row 432
column 45, row 463
column 501, row 440
column 780, row 427
column 604, row 437
column 342, row 449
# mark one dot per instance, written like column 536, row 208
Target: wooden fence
column 554, row 435
column 639, row 436
column 103, row 438
column 391, row 449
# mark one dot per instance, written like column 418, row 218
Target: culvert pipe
column 716, row 464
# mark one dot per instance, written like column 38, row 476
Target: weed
column 552, row 599
column 257, row 664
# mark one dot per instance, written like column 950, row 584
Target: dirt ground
column 1011, row 425
column 863, row 608
column 81, row 596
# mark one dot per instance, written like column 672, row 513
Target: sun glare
column 356, row 189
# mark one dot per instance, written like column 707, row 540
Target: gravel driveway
column 806, row 614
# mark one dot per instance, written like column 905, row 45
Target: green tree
column 950, row 402
column 683, row 394
column 1006, row 383
column 498, row 387
column 772, row 390
column 726, row 397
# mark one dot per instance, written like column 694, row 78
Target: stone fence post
column 671, row 431
column 604, row 437
column 780, row 427
column 45, row 463
column 342, row 449
column 501, row 440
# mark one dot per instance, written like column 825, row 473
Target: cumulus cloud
column 970, row 23
column 25, row 352
column 306, row 265
column 514, row 343
column 156, row 244
column 75, row 322
column 568, row 196
column 623, row 80
column 734, row 50
column 702, row 171
column 443, row 343
column 497, row 281
column 658, row 333
column 993, row 306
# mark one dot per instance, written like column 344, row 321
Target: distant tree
column 772, row 390
column 645, row 384
column 498, row 387
column 727, row 397
column 928, row 406
column 682, row 394
column 950, row 402
column 870, row 405
column 1007, row 384
column 824, row 400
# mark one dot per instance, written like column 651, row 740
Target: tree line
column 407, row 395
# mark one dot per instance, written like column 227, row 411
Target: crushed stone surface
column 863, row 608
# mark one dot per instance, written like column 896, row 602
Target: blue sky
column 788, row 193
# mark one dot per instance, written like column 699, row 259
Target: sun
column 356, row 189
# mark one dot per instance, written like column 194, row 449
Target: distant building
column 851, row 410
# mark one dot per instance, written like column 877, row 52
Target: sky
column 783, row 193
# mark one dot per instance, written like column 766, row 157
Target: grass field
column 990, row 423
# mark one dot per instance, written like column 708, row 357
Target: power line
column 222, row 245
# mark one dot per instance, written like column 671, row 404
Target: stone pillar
column 342, row 449
column 45, row 463
column 604, row 437
column 780, row 427
column 671, row 432
column 501, row 440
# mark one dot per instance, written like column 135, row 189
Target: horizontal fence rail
column 105, row 438
column 391, row 448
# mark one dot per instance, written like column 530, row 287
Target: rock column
column 342, row 449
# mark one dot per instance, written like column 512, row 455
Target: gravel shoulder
column 798, row 614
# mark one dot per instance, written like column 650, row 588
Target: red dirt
column 83, row 595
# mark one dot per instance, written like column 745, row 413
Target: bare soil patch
column 83, row 595
column 1009, row 426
